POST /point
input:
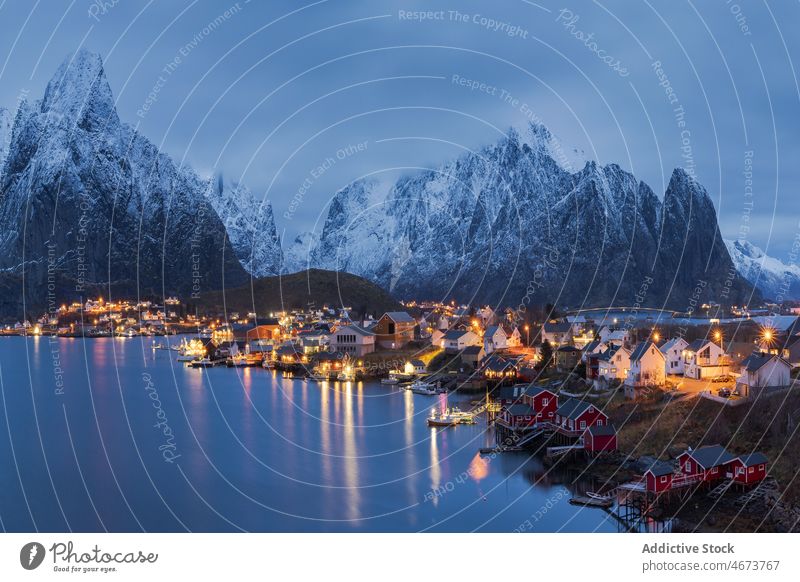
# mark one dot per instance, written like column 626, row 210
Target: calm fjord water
column 137, row 441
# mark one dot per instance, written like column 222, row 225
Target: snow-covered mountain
column 775, row 279
column 250, row 226
column 87, row 202
column 5, row 136
column 511, row 224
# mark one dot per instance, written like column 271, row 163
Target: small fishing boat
column 318, row 377
column 203, row 363
column 451, row 417
column 185, row 358
column 390, row 380
column 423, row 388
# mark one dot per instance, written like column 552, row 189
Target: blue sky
column 273, row 89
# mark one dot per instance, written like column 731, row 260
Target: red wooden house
column 658, row 478
column 706, row 463
column 748, row 469
column 519, row 415
column 576, row 416
column 600, row 439
column 543, row 402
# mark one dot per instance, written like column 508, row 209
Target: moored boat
column 451, row 417
column 424, row 388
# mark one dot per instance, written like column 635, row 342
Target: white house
column 353, row 340
column 673, row 352
column 595, row 347
column 414, row 367
column 513, row 337
column 456, row 340
column 760, row 370
column 614, row 363
column 436, row 337
column 617, row 336
column 557, row 333
column 704, row 359
column 494, row 338
column 647, row 368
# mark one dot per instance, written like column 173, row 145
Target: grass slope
column 296, row 291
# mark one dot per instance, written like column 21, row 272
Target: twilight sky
column 266, row 92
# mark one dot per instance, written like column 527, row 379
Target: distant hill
column 295, row 291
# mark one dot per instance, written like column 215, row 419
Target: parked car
column 723, row 378
column 724, row 392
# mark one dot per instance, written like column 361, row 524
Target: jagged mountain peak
column 79, row 91
column 250, row 225
column 774, row 278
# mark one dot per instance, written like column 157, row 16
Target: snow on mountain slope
column 250, row 226
column 99, row 204
column 775, row 279
column 510, row 224
column 5, row 136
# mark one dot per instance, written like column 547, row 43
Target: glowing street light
column 528, row 334
column 718, row 337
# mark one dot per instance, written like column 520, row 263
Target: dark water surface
column 137, row 441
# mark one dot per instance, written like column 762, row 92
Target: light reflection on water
column 260, row 452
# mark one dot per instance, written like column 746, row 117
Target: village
column 564, row 388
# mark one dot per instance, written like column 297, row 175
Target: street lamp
column 718, row 337
column 528, row 334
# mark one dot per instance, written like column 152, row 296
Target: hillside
column 298, row 290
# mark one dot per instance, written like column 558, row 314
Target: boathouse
column 519, row 415
column 658, row 477
column 543, row 402
column 576, row 416
column 600, row 439
column 706, row 463
column 748, row 469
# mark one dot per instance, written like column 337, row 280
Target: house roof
column 472, row 350
column 454, row 334
column 670, row 343
column 608, row 354
column 417, row 363
column 354, row 329
column 520, row 410
column 711, row 456
column 536, row 390
column 573, row 408
column 592, row 346
column 400, row 317
column 561, row 327
column 567, row 349
column 605, row 430
column 752, row 459
column 755, row 361
column 696, row 345
column 660, row 468
column 641, row 350
column 498, row 364
column 510, row 392
column 493, row 329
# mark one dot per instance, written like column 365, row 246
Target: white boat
column 185, row 358
column 451, row 417
column 423, row 388
column 389, row 380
